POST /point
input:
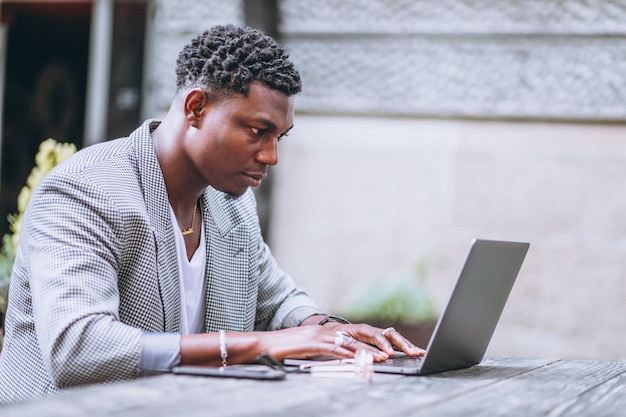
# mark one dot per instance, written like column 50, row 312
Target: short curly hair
column 225, row 60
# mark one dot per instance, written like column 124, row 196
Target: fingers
column 385, row 340
column 342, row 341
column 393, row 337
column 347, row 342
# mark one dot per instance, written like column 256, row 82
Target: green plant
column 396, row 298
column 50, row 154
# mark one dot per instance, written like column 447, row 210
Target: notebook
column 467, row 323
column 465, row 327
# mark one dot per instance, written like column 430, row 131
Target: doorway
column 47, row 49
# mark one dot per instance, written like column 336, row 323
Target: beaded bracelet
column 223, row 348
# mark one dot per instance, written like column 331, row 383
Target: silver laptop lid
column 466, row 325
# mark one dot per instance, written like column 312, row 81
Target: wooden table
column 496, row 387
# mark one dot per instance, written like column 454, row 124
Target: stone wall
column 171, row 26
column 474, row 58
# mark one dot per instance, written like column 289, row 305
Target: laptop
column 465, row 327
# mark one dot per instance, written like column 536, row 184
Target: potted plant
column 50, row 154
column 400, row 300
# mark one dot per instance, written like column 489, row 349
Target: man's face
column 237, row 139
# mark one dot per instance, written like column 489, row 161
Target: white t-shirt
column 161, row 351
column 191, row 276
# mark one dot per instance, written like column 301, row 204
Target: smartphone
column 249, row 371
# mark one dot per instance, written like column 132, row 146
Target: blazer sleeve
column 278, row 295
column 73, row 260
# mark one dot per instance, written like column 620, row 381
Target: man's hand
column 339, row 340
column 373, row 339
column 386, row 341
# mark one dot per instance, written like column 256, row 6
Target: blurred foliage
column 396, row 298
column 50, row 154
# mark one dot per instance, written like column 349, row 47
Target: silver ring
column 388, row 329
column 342, row 337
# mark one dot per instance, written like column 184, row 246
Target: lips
column 255, row 178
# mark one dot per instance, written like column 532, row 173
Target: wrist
column 212, row 348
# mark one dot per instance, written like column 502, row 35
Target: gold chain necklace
column 189, row 230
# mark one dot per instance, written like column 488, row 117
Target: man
column 145, row 252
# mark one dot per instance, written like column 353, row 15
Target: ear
column 196, row 102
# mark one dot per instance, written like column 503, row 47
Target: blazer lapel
column 227, row 268
column 155, row 196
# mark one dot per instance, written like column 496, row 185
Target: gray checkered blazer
column 96, row 266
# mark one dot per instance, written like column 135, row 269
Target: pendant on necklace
column 189, row 230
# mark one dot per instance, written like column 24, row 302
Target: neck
column 182, row 188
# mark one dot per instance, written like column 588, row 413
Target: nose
column 268, row 154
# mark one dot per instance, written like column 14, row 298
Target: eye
column 257, row 131
column 283, row 135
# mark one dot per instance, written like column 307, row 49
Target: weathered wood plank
column 304, row 394
column 403, row 395
column 171, row 395
column 605, row 400
column 536, row 393
column 390, row 395
column 505, row 385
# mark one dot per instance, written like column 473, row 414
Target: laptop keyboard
column 402, row 361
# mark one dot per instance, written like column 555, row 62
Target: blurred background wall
column 425, row 124
column 421, row 126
